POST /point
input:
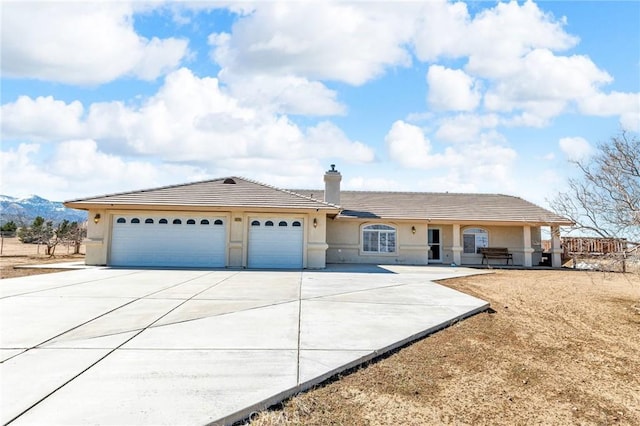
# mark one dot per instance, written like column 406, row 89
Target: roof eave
column 471, row 221
column 89, row 205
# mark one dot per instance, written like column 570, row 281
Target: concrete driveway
column 123, row 346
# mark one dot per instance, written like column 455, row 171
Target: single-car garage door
column 275, row 243
column 175, row 241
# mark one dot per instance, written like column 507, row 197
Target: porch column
column 457, row 248
column 527, row 250
column 428, row 246
column 556, row 251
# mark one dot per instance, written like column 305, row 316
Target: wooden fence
column 588, row 245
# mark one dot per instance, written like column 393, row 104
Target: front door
column 435, row 244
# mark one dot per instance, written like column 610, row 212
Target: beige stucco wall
column 97, row 238
column 511, row 237
column 345, row 246
column 314, row 245
column 344, row 240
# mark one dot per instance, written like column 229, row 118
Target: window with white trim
column 378, row 239
column 473, row 239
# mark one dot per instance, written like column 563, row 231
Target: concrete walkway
column 123, row 346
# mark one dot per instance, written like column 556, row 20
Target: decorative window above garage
column 378, row 239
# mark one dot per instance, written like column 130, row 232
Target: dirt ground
column 14, row 253
column 558, row 347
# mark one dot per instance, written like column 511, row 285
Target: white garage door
column 275, row 243
column 177, row 241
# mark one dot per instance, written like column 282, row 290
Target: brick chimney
column 332, row 180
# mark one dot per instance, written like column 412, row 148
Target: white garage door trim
column 275, row 243
column 168, row 241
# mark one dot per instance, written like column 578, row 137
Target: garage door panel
column 177, row 245
column 275, row 246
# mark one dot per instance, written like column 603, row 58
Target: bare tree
column 605, row 199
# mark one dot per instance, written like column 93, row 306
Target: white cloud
column 447, row 30
column 42, row 118
column 81, row 43
column 466, row 127
column 544, row 84
column 575, row 148
column 347, row 42
column 441, row 30
column 523, row 74
column 481, row 165
column 284, row 94
column 451, row 90
column 492, row 55
column 626, row 105
column 326, row 140
column 78, row 168
column 22, row 173
column 408, row 146
column 191, row 121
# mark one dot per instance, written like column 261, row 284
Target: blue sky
column 101, row 97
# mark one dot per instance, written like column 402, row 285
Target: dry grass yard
column 561, row 347
column 14, row 253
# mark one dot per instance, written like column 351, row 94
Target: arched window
column 282, row 223
column 177, row 222
column 204, row 222
column 121, row 220
column 268, row 223
column 191, row 222
column 473, row 239
column 378, row 239
column 163, row 221
column 296, row 223
column 135, row 220
column 255, row 223
column 148, row 220
column 219, row 222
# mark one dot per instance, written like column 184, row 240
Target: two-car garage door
column 172, row 241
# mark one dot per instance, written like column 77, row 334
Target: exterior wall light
column 413, row 229
column 315, row 222
column 96, row 218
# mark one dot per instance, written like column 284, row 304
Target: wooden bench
column 496, row 253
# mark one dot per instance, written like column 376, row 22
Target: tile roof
column 242, row 193
column 354, row 204
column 440, row 207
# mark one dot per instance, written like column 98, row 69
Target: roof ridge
column 364, row 191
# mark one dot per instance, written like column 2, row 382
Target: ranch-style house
column 239, row 223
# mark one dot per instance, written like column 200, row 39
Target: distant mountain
column 26, row 209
